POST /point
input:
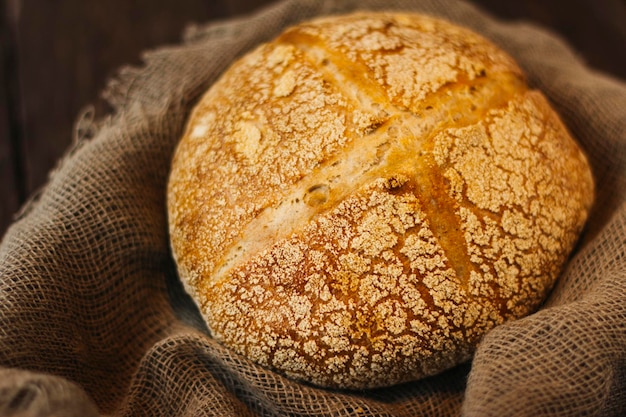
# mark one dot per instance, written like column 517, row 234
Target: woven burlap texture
column 93, row 320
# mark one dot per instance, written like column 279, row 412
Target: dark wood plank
column 11, row 186
column 67, row 51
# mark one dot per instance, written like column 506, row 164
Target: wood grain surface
column 57, row 55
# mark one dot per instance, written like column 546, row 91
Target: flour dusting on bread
column 356, row 203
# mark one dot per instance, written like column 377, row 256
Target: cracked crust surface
column 359, row 201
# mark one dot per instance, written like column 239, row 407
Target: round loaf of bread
column 356, row 203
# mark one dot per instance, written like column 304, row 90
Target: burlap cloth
column 93, row 320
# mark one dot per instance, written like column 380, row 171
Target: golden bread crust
column 359, row 201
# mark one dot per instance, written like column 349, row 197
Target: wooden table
column 57, row 56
